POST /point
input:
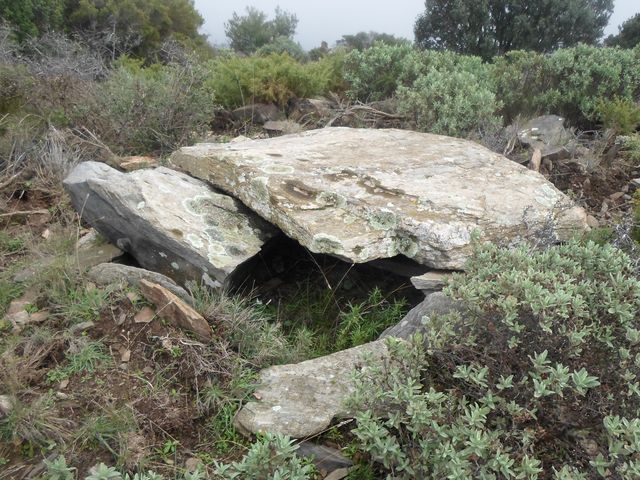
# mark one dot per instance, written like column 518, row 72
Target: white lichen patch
column 216, row 248
column 162, row 254
column 407, row 246
column 195, row 241
column 331, row 199
column 141, row 205
column 383, row 220
column 546, row 196
column 260, row 187
column 325, row 243
column 175, row 266
column 277, row 169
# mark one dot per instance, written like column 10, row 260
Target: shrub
column 374, row 74
column 330, row 68
column 271, row 456
column 571, row 82
column 517, row 72
column 584, row 74
column 635, row 232
column 152, row 109
column 631, row 147
column 58, row 469
column 15, row 83
column 275, row 78
column 448, row 94
column 540, row 374
column 283, row 45
column 620, row 114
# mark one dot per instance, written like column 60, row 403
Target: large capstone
column 362, row 194
column 171, row 223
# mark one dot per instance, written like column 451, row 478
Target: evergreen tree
column 247, row 33
column 628, row 34
column 491, row 27
column 33, row 17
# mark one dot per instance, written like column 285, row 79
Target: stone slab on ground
column 362, row 194
column 301, row 400
column 171, row 223
column 170, row 306
column 430, row 281
column 92, row 250
column 109, row 273
column 436, row 303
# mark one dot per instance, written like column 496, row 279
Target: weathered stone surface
column 31, row 271
column 300, row 400
column 20, row 312
column 129, row 164
column 312, row 111
column 326, row 459
column 364, row 194
column 282, row 126
column 435, row 303
column 169, row 306
column 170, row 222
column 547, row 134
column 92, row 250
column 259, row 113
column 430, row 281
column 108, row 273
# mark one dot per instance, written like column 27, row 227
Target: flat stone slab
column 362, row 194
column 431, row 281
column 110, row 273
column 547, row 133
column 171, row 223
column 436, row 303
column 302, row 399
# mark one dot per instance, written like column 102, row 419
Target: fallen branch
column 8, row 182
column 25, row 212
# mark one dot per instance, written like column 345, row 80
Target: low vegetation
column 538, row 379
column 539, row 375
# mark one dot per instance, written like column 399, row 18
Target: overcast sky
column 328, row 20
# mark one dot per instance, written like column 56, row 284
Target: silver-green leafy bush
column 448, row 94
column 57, row 469
column 439, row 92
column 571, row 82
column 374, row 73
column 271, row 456
column 538, row 378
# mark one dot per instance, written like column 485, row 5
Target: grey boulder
column 171, row 223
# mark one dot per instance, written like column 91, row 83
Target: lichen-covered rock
column 363, row 194
column 171, row 223
column 301, row 399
